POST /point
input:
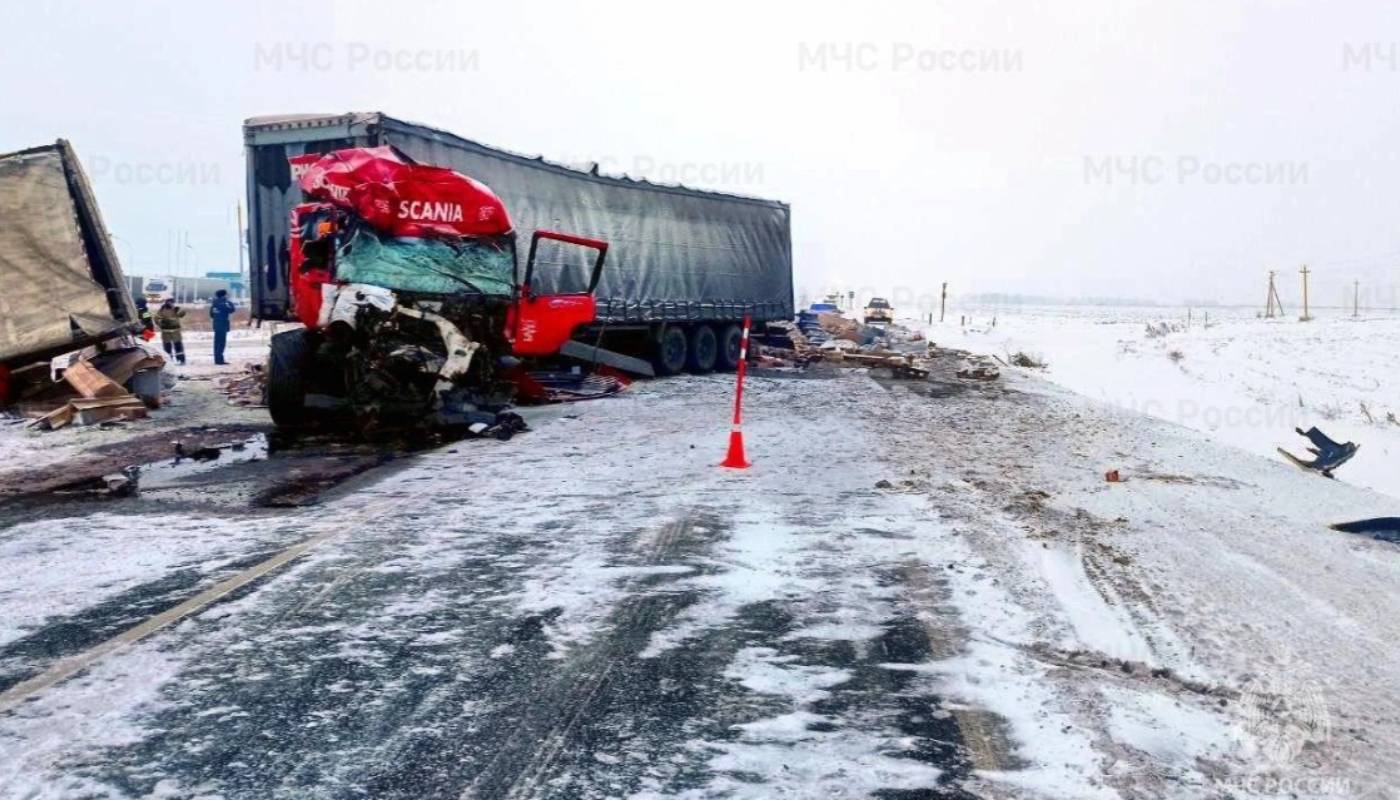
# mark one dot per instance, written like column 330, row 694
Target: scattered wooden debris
column 93, row 390
column 840, row 343
column 87, row 381
column 979, row 368
column 841, row 328
column 90, row 411
column 123, row 365
column 248, row 389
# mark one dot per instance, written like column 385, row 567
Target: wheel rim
column 706, row 350
column 675, row 349
column 731, row 347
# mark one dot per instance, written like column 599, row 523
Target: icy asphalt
column 919, row 590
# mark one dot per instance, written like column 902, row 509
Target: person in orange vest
column 148, row 320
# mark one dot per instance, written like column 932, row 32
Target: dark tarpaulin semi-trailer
column 684, row 265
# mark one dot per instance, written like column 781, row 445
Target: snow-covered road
column 919, row 590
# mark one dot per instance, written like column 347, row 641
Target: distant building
column 237, row 285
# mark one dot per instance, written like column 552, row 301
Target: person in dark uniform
column 168, row 319
column 220, row 310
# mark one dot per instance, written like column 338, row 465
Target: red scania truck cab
column 413, row 306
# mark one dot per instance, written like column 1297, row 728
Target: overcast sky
column 1173, row 151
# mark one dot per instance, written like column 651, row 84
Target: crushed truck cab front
column 404, row 278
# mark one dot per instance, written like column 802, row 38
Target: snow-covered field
column 1247, row 382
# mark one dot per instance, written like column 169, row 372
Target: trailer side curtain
column 48, row 297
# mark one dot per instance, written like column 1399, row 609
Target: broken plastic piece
column 1386, row 529
column 1328, row 455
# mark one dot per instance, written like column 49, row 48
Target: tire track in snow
column 987, row 745
column 523, row 765
column 72, row 665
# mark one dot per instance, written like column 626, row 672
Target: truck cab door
column 539, row 324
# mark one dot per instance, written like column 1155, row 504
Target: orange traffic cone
column 735, row 459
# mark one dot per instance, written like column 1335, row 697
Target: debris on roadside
column 1022, row 359
column 92, row 411
column 902, row 366
column 120, row 484
column 980, row 368
column 1327, row 454
column 810, row 327
column 820, row 335
column 247, row 389
column 569, row 386
column 838, row 327
column 889, row 350
column 100, row 386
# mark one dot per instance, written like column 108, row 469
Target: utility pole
column 1304, row 272
column 1275, row 305
column 943, row 302
column 1355, row 299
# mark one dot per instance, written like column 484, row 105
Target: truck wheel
column 704, row 349
column 287, row 364
column 729, row 343
column 670, row 351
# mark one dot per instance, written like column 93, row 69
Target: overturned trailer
column 684, row 268
column 61, row 285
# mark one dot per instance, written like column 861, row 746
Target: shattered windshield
column 481, row 265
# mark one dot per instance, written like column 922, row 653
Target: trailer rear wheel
column 287, row 364
column 704, row 349
column 671, row 351
column 730, row 342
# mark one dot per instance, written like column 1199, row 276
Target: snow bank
column 1247, row 382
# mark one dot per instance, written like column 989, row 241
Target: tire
column 730, row 339
column 704, row 350
column 671, row 351
column 287, row 365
